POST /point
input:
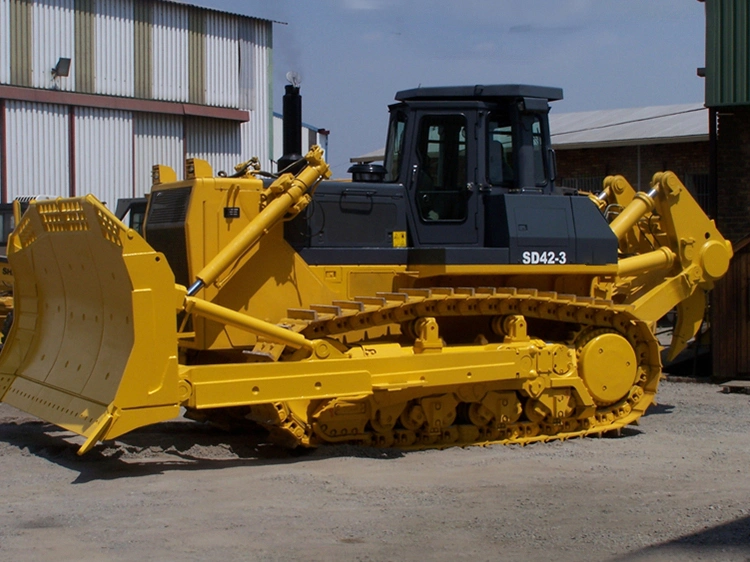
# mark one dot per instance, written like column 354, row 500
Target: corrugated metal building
column 727, row 74
column 149, row 81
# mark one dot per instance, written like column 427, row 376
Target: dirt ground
column 674, row 488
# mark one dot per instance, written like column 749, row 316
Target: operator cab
column 465, row 143
column 468, row 177
column 505, row 127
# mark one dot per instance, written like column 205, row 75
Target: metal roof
column 278, row 115
column 374, row 156
column 662, row 124
column 202, row 6
column 626, row 127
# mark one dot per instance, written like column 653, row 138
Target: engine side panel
column 366, row 223
column 351, row 215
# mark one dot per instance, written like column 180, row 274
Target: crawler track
column 556, row 405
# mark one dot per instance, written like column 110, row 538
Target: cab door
column 442, row 179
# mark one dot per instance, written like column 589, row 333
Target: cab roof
column 480, row 92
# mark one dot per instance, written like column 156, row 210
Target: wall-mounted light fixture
column 62, row 68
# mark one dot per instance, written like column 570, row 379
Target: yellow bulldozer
column 453, row 296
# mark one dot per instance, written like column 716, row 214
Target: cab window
column 395, row 147
column 540, row 162
column 441, row 179
column 500, row 151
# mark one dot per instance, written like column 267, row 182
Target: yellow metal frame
column 95, row 348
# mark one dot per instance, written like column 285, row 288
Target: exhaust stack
column 292, row 125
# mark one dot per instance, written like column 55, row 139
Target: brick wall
column 684, row 159
column 733, row 173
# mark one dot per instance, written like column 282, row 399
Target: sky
column 354, row 55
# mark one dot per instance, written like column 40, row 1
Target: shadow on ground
column 185, row 445
column 656, row 409
column 167, row 446
column 728, row 541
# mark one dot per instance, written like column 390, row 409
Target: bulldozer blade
column 93, row 346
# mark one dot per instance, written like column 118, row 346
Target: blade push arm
column 687, row 247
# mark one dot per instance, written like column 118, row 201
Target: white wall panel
column 38, row 149
column 104, row 154
column 53, row 36
column 247, row 38
column 170, row 56
column 158, row 140
column 219, row 142
column 4, row 41
column 310, row 137
column 115, row 68
column 222, row 60
column 256, row 142
column 257, row 134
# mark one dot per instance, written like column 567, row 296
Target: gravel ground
column 675, row 488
